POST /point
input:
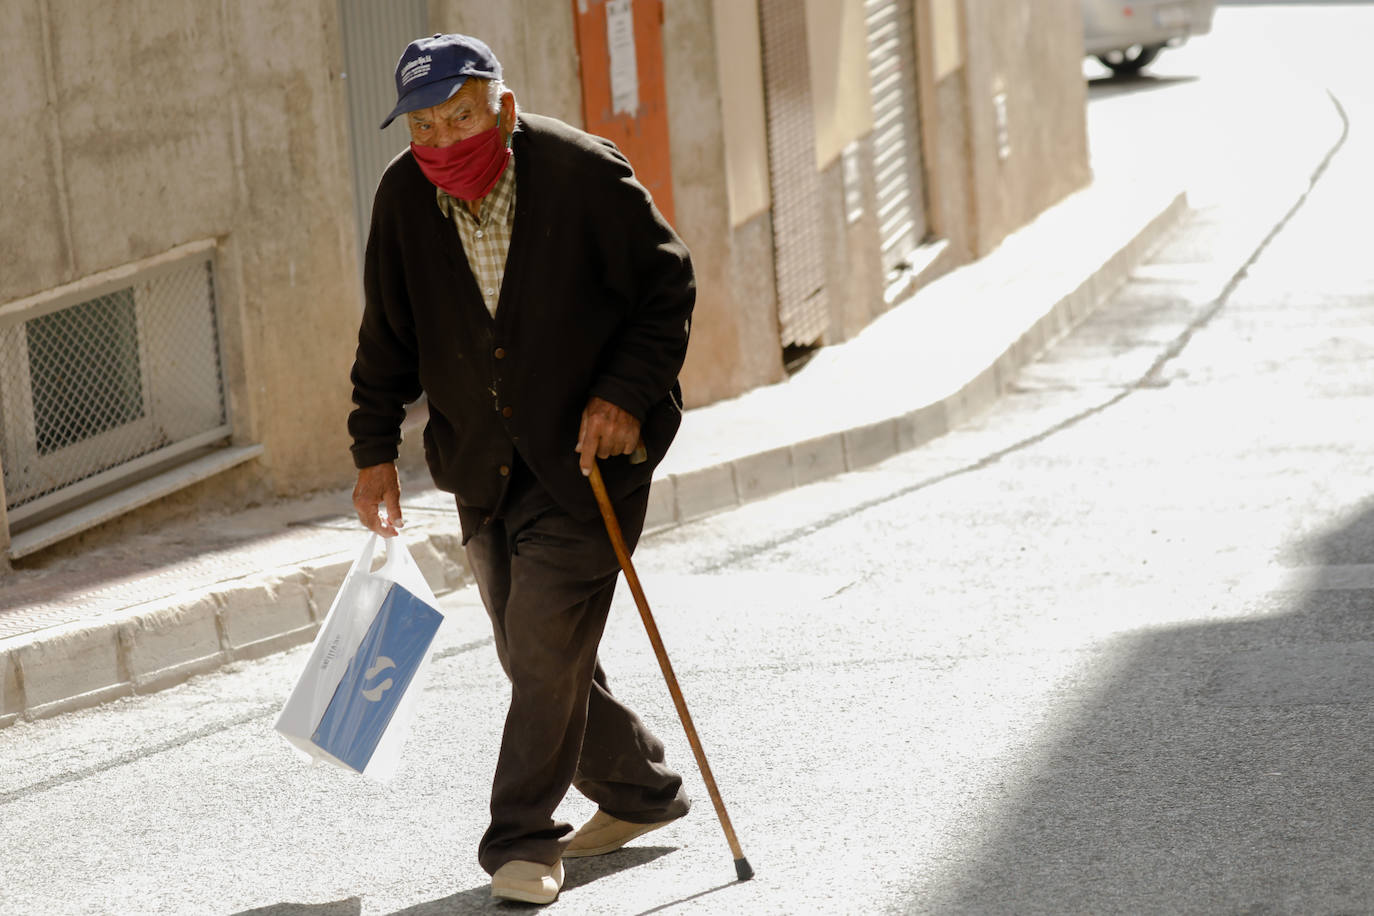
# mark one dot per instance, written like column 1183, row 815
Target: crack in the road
column 925, row 661
column 1150, row 379
column 846, row 587
column 138, row 754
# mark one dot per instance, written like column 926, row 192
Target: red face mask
column 468, row 169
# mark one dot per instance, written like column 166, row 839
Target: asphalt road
column 1108, row 648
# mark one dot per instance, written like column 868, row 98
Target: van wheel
column 1130, row 61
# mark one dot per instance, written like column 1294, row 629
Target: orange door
column 623, row 94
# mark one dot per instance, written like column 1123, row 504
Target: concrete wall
column 837, row 52
column 745, row 323
column 946, row 141
column 734, row 329
column 842, row 110
column 739, row 69
column 855, row 259
column 139, row 126
column 1031, row 54
column 952, row 210
column 942, row 22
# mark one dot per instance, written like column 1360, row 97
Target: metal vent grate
column 896, row 140
column 85, row 371
column 798, row 247
column 89, row 387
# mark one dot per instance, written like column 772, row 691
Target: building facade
column 186, row 187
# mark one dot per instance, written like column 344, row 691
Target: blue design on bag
column 377, row 678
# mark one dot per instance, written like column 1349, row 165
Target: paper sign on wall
column 620, row 39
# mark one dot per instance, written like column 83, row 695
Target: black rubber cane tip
column 742, row 869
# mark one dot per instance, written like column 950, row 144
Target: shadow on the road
column 578, row 872
column 1104, row 87
column 697, row 896
column 350, row 907
column 1220, row 767
column 585, row 871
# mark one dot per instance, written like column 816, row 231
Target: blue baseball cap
column 432, row 69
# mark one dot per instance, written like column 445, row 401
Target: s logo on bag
column 381, row 664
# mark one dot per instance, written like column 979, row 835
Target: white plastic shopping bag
column 353, row 703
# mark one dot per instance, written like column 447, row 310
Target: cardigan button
column 506, row 412
column 504, row 470
column 500, row 353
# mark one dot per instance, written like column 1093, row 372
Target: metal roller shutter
column 896, row 137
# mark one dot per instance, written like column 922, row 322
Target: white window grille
column 107, row 381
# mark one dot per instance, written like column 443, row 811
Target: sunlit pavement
column 1107, row 648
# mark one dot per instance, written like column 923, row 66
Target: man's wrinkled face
column 464, row 115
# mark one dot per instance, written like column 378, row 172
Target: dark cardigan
column 596, row 301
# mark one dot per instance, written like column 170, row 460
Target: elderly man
column 520, row 277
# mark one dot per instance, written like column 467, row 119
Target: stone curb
column 163, row 643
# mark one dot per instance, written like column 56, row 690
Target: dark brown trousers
column 547, row 580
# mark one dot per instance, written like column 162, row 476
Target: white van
column 1127, row 34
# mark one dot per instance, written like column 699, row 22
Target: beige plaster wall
column 942, row 79
column 734, row 336
column 739, row 65
column 1034, row 56
column 946, row 44
column 140, row 125
column 536, row 42
column 862, row 268
column 35, row 221
column 948, row 164
column 841, row 94
column 81, row 112
column 292, row 234
column 754, row 303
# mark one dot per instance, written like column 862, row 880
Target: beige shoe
column 528, row 882
column 603, row 834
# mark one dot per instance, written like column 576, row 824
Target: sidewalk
column 155, row 610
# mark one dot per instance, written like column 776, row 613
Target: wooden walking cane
column 603, row 500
